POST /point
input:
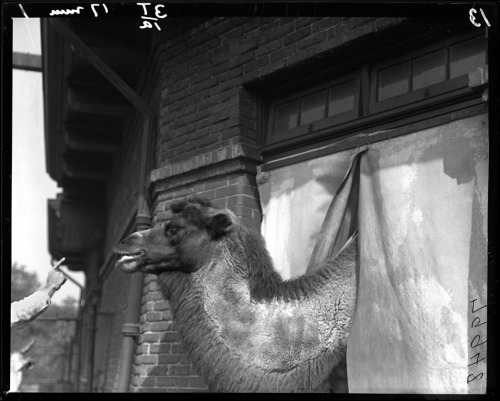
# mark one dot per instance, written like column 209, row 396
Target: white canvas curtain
column 422, row 222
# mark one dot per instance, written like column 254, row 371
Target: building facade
column 216, row 105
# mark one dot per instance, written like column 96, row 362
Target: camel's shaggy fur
column 245, row 328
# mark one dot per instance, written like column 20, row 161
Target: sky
column 31, row 185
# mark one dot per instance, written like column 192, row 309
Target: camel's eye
column 171, row 230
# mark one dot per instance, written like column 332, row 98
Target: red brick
column 311, row 41
column 142, row 370
column 170, row 336
column 142, row 349
column 300, row 22
column 234, row 33
column 254, row 65
column 249, row 223
column 220, row 182
column 367, row 28
column 297, row 35
column 159, row 326
column 146, row 359
column 207, row 194
column 222, row 87
column 159, row 370
column 358, row 21
column 268, row 48
column 161, row 306
column 243, row 45
column 143, row 381
column 236, row 189
column 246, row 179
column 220, row 202
column 240, row 210
column 350, row 34
column 169, row 359
column 152, row 286
column 172, row 381
column 178, row 370
column 153, row 316
column 278, row 65
column 207, row 84
column 161, row 348
column 241, row 60
column 254, row 23
column 151, row 337
column 245, row 200
column 230, row 74
column 283, row 53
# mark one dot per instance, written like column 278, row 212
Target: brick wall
column 203, row 103
column 207, row 142
column 161, row 364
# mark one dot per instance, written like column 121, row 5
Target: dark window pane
column 313, row 107
column 285, row 116
column 429, row 69
column 467, row 56
column 393, row 81
column 341, row 98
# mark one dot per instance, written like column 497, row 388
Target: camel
column 244, row 327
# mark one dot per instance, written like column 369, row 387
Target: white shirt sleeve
column 25, row 310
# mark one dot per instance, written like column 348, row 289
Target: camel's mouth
column 129, row 262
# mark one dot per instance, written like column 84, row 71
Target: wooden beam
column 101, row 66
column 99, row 102
column 28, row 62
column 87, row 143
column 79, row 170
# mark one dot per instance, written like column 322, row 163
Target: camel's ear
column 219, row 225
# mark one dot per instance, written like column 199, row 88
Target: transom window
column 425, row 73
column 306, row 111
column 407, row 82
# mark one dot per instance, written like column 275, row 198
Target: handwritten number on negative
column 474, row 377
column 472, row 17
column 93, row 6
column 475, row 325
column 478, row 343
column 474, row 311
column 477, row 359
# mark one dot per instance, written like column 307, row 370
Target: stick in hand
column 56, row 266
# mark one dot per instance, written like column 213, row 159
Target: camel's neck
column 257, row 322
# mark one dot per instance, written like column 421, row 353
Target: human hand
column 55, row 278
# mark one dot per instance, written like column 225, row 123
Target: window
column 323, row 106
column 466, row 56
column 425, row 74
column 415, row 80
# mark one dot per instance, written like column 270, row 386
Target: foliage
column 24, row 282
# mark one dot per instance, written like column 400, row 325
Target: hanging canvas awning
column 422, row 235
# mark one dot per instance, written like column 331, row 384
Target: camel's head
column 180, row 244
